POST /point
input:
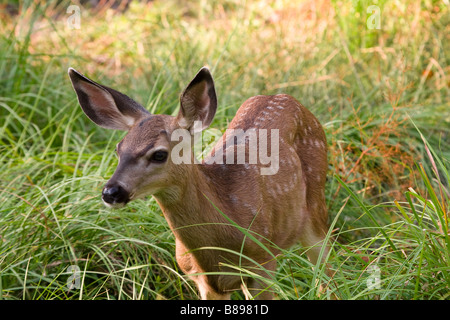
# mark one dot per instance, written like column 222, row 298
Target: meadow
column 378, row 80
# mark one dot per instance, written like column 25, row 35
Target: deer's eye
column 159, row 156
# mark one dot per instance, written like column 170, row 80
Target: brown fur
column 278, row 210
column 283, row 218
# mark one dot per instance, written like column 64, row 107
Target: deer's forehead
column 146, row 134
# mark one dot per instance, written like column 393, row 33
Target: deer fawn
column 281, row 206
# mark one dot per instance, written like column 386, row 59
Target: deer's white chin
column 115, row 205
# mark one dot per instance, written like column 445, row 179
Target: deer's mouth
column 115, row 205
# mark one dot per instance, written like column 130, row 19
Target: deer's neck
column 187, row 205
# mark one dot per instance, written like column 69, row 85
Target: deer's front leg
column 189, row 266
column 257, row 289
column 208, row 293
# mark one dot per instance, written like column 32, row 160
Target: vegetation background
column 381, row 94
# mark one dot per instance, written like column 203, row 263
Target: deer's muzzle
column 115, row 196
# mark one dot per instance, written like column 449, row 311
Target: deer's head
column 145, row 165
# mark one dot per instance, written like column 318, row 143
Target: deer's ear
column 106, row 107
column 198, row 102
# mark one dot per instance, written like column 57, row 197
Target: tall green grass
column 382, row 96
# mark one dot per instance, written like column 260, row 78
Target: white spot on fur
column 317, row 143
column 288, row 161
column 296, row 119
column 293, row 151
column 281, row 97
column 279, row 191
column 272, row 192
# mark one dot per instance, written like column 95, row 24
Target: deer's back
column 275, row 205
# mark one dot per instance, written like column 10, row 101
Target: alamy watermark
column 240, row 146
column 74, row 280
column 374, row 280
column 74, row 20
column 374, row 20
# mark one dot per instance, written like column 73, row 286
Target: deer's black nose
column 115, row 194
